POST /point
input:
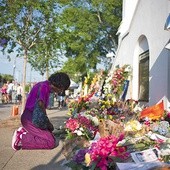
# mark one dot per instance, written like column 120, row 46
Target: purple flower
column 79, row 156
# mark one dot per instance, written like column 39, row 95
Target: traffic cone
column 15, row 110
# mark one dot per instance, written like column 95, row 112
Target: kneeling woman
column 30, row 136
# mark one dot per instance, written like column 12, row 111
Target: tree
column 5, row 77
column 85, row 30
column 45, row 57
column 72, row 65
column 24, row 24
column 89, row 29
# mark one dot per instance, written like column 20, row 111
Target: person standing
column 19, row 93
column 61, row 99
column 30, row 136
column 9, row 91
column 4, row 93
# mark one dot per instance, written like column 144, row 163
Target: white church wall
column 148, row 21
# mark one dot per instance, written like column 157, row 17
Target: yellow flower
column 110, row 117
column 87, row 159
column 69, row 113
column 133, row 125
column 103, row 107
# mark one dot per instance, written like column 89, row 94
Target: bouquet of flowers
column 117, row 80
column 81, row 126
column 76, row 106
column 103, row 153
column 119, row 110
column 72, row 107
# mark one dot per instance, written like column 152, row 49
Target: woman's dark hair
column 60, row 80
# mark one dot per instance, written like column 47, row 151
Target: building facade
column 143, row 39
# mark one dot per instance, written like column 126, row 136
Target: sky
column 7, row 67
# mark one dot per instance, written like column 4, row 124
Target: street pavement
column 29, row 159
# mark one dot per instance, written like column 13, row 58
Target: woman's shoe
column 16, row 141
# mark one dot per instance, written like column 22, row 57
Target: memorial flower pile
column 118, row 79
column 161, row 127
column 114, row 128
column 72, row 107
column 101, row 154
column 81, row 126
column 80, row 104
column 115, row 82
column 119, row 110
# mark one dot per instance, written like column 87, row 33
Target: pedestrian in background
column 30, row 136
column 19, row 93
column 9, row 91
column 61, row 99
column 4, row 93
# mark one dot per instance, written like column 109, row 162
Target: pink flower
column 102, row 164
column 104, row 148
column 72, row 124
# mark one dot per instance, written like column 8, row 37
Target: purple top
column 43, row 95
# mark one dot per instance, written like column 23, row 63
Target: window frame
column 143, row 88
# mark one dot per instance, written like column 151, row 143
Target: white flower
column 95, row 120
column 128, row 69
column 88, row 117
column 78, row 132
column 137, row 109
column 121, row 143
column 81, row 129
column 82, row 113
column 128, row 128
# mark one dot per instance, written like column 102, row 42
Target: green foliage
column 27, row 88
column 5, row 77
column 89, row 29
column 25, row 24
column 44, row 31
column 75, row 67
column 29, row 28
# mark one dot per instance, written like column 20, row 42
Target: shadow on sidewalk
column 5, row 105
column 52, row 164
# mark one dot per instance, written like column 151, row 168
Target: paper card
column 138, row 166
column 149, row 155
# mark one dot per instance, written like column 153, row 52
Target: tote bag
column 39, row 117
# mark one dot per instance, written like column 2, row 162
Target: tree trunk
column 24, row 80
column 47, row 73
